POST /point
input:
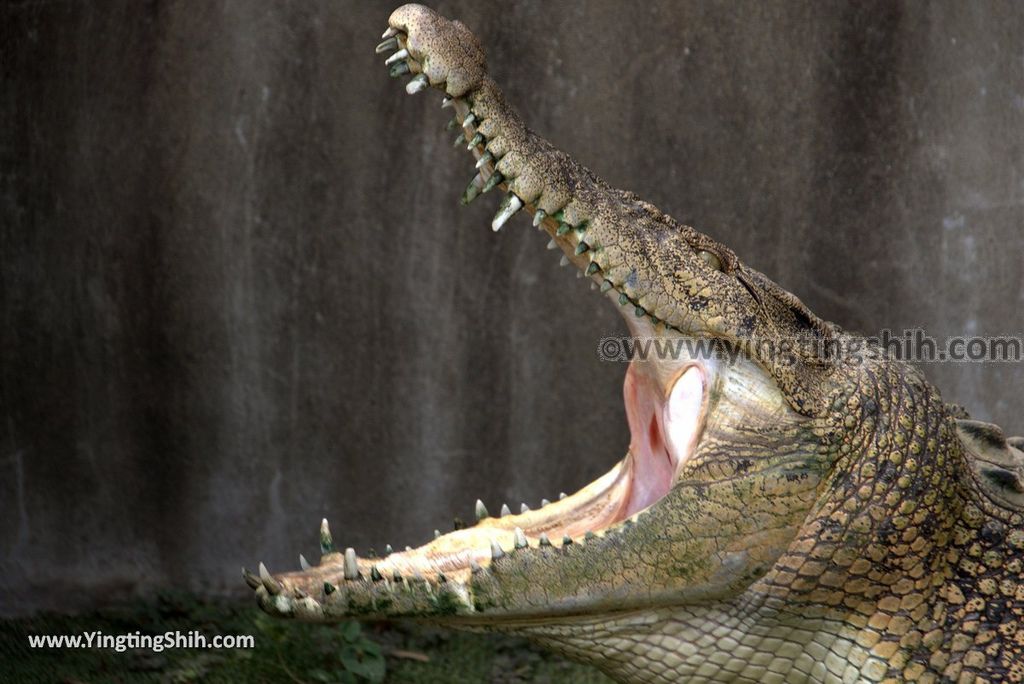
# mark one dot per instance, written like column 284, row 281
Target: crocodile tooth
column 593, row 268
column 566, row 540
column 481, row 510
column 399, row 69
column 562, row 495
column 272, row 585
column 564, row 261
column 590, row 536
column 472, row 190
column 581, row 248
column 441, row 579
column 505, row 510
column 351, row 566
column 606, row 285
column 544, row 541
column 544, row 502
column 478, row 139
column 552, row 244
column 397, row 57
column 408, row 548
column 520, row 538
column 437, row 534
column 538, row 217
column 251, row 579
column 496, row 551
column 388, row 44
column 328, row 588
column 375, row 574
column 474, row 567
column 420, row 82
column 299, row 593
column 563, row 229
column 623, row 299
column 459, row 140
column 390, row 32
column 396, row 576
column 388, row 550
column 509, row 206
column 523, row 508
column 469, row 120
column 326, row 543
column 494, row 181
column 452, row 125
column 640, row 312
column 482, row 161
column 303, row 563
column 446, row 102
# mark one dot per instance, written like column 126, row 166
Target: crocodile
column 787, row 510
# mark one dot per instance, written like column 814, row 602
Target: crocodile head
column 768, row 468
column 724, row 458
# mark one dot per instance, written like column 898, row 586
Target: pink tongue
column 662, row 432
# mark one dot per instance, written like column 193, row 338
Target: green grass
column 284, row 651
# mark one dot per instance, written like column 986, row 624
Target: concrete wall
column 239, row 294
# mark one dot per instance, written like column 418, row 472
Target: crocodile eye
column 710, row 259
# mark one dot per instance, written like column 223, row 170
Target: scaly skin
column 835, row 520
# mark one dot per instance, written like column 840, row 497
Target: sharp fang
column 505, row 510
column 328, row 588
column 544, row 502
column 562, row 495
column 269, row 582
column 544, row 541
column 390, row 32
column 538, row 217
column 478, row 139
column 437, row 534
column 496, row 551
column 552, row 244
column 446, row 102
column 396, row 576
column 397, row 57
column 523, row 508
column 484, row 160
column 389, row 44
column 520, row 538
column 564, row 261
column 375, row 574
column 640, row 312
column 399, row 69
column 494, row 181
column 566, row 540
column 509, row 206
column 481, row 510
column 623, row 299
column 474, row 567
column 300, row 594
column 473, row 190
column 408, row 549
column 326, row 543
column 252, row 580
column 606, row 285
column 581, row 248
column 469, row 120
column 351, row 564
column 420, row 82
column 303, row 563
column 563, row 229
column 460, row 139
column 593, row 268
column 452, row 125
column 388, row 550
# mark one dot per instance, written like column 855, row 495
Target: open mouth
column 666, row 406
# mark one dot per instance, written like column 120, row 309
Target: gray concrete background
column 239, row 293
